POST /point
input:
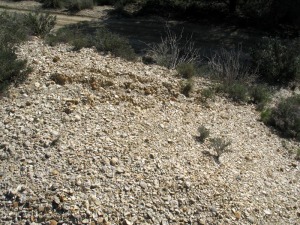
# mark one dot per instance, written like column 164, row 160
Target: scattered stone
column 114, row 161
column 53, row 222
column 143, row 185
column 238, row 215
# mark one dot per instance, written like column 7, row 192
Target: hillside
column 93, row 139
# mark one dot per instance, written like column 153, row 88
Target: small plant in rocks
column 298, row 154
column 173, row 51
column 187, row 87
column 186, row 70
column 40, row 23
column 203, row 133
column 220, row 145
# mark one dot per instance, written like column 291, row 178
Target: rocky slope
column 92, row 139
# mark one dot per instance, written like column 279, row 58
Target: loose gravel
column 93, row 139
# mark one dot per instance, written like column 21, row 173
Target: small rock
column 41, row 208
column 143, row 185
column 213, row 209
column 201, row 222
column 127, row 222
column 85, row 221
column 55, row 172
column 238, row 215
column 77, row 117
column 268, row 212
column 251, row 219
column 114, row 161
column 119, row 170
column 52, row 222
column 27, row 143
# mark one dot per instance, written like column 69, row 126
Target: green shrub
column 278, row 63
column 107, row 41
column 203, row 133
column 101, row 38
column 186, row 70
column 285, row 117
column 39, row 23
column 12, row 29
column 238, row 92
column 260, row 95
column 220, row 145
column 297, row 154
column 11, row 68
column 265, row 116
column 187, row 87
column 207, row 93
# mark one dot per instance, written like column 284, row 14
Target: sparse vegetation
column 238, row 92
column 187, row 87
column 186, row 70
column 265, row 115
column 278, row 62
column 220, row 146
column 203, row 133
column 260, row 95
column 207, row 93
column 13, row 30
column 101, row 38
column 172, row 52
column 285, row 117
column 39, row 23
column 11, row 68
column 297, row 154
column 229, row 67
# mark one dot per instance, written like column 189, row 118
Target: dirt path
column 63, row 17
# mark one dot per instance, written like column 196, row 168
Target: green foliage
column 260, row 95
column 278, row 63
column 266, row 116
column 237, row 92
column 203, row 133
column 187, row 87
column 11, row 68
column 286, row 117
column 101, row 38
column 186, row 70
column 107, row 41
column 39, row 23
column 297, row 154
column 207, row 93
column 220, row 145
column 12, row 29
column 12, row 32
